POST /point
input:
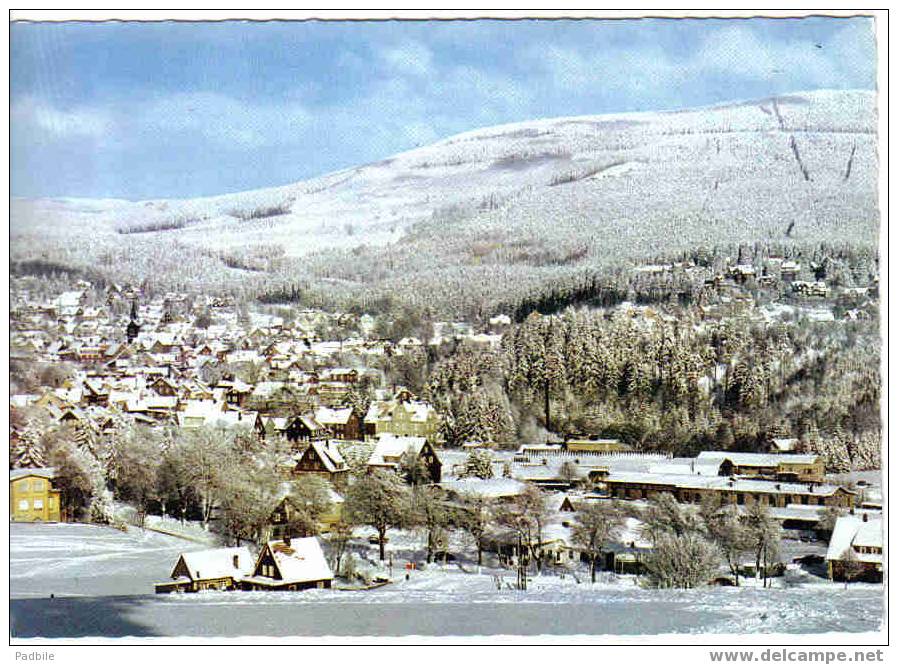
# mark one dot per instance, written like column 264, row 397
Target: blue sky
column 143, row 110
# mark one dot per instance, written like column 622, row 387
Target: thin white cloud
column 736, row 52
column 43, row 118
column 411, row 58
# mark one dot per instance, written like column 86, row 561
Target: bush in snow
column 681, row 562
column 478, row 465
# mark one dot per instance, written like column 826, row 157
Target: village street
column 102, row 580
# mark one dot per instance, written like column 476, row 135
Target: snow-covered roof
column 327, row 416
column 755, row 459
column 22, row 400
column 300, row 561
column 694, row 481
column 500, row 320
column 218, row 563
column 210, row 413
column 420, row 412
column 47, row 472
column 390, row 445
column 329, row 454
column 677, row 469
column 632, row 532
column 494, row 488
column 280, row 424
column 852, row 531
column 69, row 299
column 785, row 445
column 869, row 534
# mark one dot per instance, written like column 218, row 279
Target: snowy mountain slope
column 581, row 189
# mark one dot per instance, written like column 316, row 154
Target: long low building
column 789, row 468
column 691, row 488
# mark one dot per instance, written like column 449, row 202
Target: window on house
column 23, row 504
column 38, row 504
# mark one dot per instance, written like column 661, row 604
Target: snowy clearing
column 88, row 560
column 107, row 577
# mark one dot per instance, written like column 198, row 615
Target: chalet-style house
column 343, row 423
column 323, row 459
column 305, row 428
column 389, row 450
column 788, row 468
column 217, row 414
column 282, row 521
column 403, row 416
column 855, row 549
column 219, row 569
column 291, row 564
column 32, row 497
column 163, row 387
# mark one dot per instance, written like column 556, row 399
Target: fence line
column 593, row 455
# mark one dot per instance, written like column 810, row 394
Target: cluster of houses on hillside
column 153, row 367
column 281, row 381
column 728, row 290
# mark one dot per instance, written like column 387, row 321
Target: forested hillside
column 487, row 220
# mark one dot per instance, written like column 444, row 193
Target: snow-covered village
column 598, row 373
column 224, row 450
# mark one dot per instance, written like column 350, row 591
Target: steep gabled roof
column 329, row 455
column 327, row 416
column 300, row 561
column 217, row 563
column 389, row 445
column 852, row 531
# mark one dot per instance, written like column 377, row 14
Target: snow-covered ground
column 102, row 580
column 88, row 560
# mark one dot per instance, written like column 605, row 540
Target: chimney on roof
column 236, row 561
column 287, row 540
column 864, row 517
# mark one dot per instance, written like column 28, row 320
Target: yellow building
column 601, row 446
column 32, row 497
column 789, row 468
column 403, row 416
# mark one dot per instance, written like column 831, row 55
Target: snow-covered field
column 102, row 580
column 87, row 560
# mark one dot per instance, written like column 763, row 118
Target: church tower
column 133, row 327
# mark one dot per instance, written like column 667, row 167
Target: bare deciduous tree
column 595, row 525
column 378, row 500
